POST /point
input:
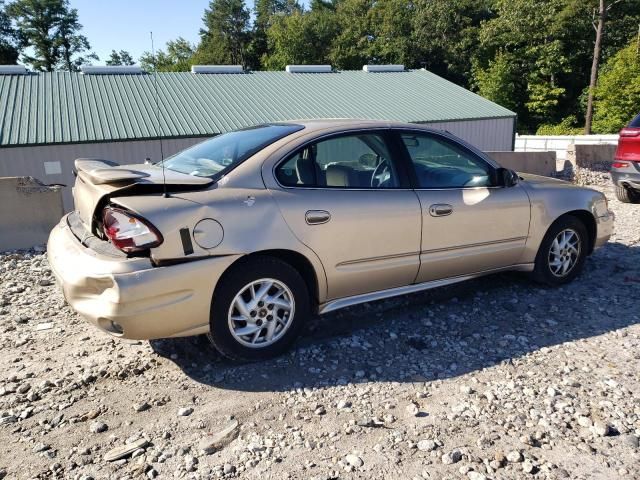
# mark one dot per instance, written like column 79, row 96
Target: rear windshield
column 213, row 158
column 635, row 123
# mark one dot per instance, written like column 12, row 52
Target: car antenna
column 158, row 126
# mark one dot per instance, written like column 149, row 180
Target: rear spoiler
column 105, row 171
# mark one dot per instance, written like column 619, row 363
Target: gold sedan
column 245, row 235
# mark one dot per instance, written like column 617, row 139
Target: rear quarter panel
column 250, row 219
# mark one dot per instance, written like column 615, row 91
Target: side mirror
column 506, row 177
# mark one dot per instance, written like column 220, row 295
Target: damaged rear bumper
column 130, row 297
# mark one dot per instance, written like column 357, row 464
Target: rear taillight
column 630, row 132
column 129, row 232
column 619, row 164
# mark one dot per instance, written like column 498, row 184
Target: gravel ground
column 495, row 378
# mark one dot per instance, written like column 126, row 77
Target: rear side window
column 635, row 123
column 349, row 161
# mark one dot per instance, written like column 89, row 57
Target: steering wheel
column 381, row 174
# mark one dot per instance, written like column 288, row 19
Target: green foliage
column 72, row 45
column 617, row 96
column 301, row 37
column 225, row 36
column 445, row 35
column 350, row 48
column 178, row 58
column 120, row 58
column 499, row 81
column 8, row 50
column 568, row 126
column 51, row 30
column 373, row 32
column 296, row 39
column 551, row 46
column 264, row 10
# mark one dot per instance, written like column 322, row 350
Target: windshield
column 213, row 158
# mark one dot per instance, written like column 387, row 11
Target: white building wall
column 489, row 135
column 53, row 164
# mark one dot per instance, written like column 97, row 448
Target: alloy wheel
column 564, row 252
column 261, row 313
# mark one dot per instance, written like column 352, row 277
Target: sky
column 125, row 24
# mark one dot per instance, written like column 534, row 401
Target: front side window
column 349, row 161
column 213, row 158
column 440, row 163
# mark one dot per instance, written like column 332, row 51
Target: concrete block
column 594, row 157
column 538, row 163
column 28, row 212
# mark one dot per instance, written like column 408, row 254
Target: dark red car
column 625, row 171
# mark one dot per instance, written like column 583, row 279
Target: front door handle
column 317, row 217
column 440, row 210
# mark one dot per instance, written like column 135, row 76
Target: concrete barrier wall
column 593, row 157
column 560, row 143
column 28, row 212
column 538, row 163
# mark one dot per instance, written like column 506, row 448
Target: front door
column 469, row 224
column 346, row 199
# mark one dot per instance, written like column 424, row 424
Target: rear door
column 469, row 224
column 346, row 197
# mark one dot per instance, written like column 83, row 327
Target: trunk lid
column 97, row 180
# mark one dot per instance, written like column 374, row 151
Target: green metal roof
column 63, row 107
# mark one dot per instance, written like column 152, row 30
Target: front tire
column 562, row 252
column 258, row 309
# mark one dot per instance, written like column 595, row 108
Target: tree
column 264, row 10
column 499, row 81
column 71, row 43
column 531, row 36
column 350, row 48
column 301, row 37
column 604, row 7
column 120, row 58
column 178, row 57
column 373, row 32
column 617, row 95
column 551, row 45
column 8, row 51
column 37, row 22
column 391, row 28
column 445, row 36
column 50, row 30
column 225, row 38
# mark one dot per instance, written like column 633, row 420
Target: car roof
column 331, row 123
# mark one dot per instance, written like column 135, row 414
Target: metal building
column 47, row 120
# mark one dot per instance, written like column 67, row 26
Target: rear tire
column 627, row 195
column 562, row 252
column 258, row 309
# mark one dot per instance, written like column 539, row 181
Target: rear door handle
column 440, row 210
column 317, row 217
